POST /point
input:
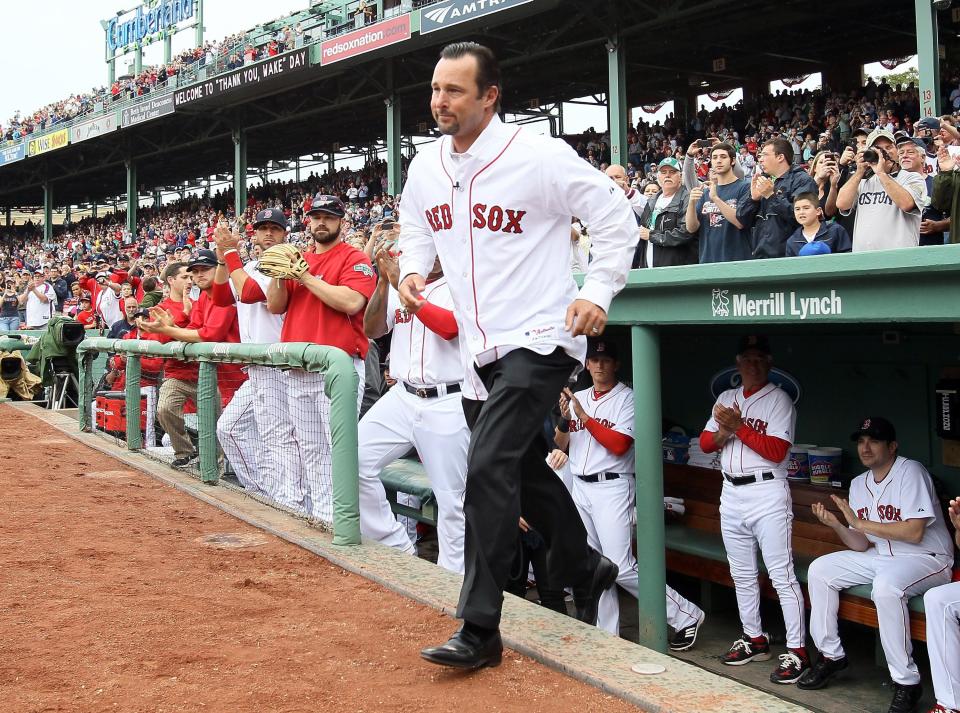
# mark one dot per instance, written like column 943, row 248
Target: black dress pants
column 505, row 465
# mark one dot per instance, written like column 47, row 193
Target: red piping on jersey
column 473, row 274
column 449, row 177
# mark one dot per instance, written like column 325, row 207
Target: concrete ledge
column 578, row 650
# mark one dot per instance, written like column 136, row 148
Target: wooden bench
column 408, row 476
column 695, row 547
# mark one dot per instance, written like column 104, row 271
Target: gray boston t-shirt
column 880, row 224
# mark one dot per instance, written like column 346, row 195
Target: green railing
column 340, row 382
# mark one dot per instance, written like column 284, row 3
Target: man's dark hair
column 782, row 146
column 724, row 146
column 149, row 284
column 488, row 70
column 172, row 270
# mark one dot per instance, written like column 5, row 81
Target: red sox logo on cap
column 866, row 424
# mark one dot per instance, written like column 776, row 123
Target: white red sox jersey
column 905, row 494
column 257, row 324
column 507, row 202
column 769, row 411
column 613, row 409
column 418, row 355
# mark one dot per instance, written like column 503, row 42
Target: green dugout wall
column 863, row 334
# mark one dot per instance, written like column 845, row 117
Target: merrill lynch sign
column 723, row 303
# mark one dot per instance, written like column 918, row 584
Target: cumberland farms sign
column 793, row 305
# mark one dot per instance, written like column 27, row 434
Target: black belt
column 747, row 479
column 597, row 477
column 429, row 392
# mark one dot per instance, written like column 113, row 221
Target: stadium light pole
column 928, row 57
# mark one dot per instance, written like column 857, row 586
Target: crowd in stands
column 794, row 173
column 783, row 176
column 173, row 230
column 230, row 53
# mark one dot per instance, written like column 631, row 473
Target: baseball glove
column 284, row 262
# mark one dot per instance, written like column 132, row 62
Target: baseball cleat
column 905, row 698
column 744, row 650
column 821, row 672
column 686, row 637
column 792, row 666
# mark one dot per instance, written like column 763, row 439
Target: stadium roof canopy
column 550, row 50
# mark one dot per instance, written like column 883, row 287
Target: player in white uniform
column 898, row 541
column 255, row 429
column 942, row 607
column 600, row 442
column 753, row 428
column 423, row 408
column 494, row 202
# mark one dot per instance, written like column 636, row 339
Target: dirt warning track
column 119, row 593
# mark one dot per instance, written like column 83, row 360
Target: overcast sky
column 57, row 46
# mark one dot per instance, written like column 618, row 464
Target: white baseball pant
column 438, row 430
column 762, row 514
column 605, row 509
column 895, row 580
column 280, row 458
column 237, row 433
column 942, row 605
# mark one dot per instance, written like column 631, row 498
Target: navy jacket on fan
column 833, row 234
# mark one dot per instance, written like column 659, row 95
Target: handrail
column 340, row 383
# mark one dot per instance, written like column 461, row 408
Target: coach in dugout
column 208, row 323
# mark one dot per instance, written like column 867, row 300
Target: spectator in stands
column 772, row 191
column 119, row 328
column 720, row 214
column 9, row 307
column 85, row 314
column 946, row 191
column 664, row 237
column 40, row 301
column 152, row 294
column 71, row 305
column 888, row 202
column 814, row 236
column 912, row 154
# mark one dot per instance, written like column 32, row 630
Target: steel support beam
column 648, row 454
column 48, row 211
column 133, row 196
column 66, row 214
column 617, row 99
column 394, row 146
column 167, row 47
column 9, row 216
column 239, row 171
column 928, row 57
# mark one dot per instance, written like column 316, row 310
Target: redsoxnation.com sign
column 453, row 12
column 369, row 38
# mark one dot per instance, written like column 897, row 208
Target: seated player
column 898, row 542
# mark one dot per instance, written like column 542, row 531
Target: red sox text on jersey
column 577, row 425
column 757, row 424
column 494, row 218
column 886, row 513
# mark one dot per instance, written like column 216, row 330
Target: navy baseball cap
column 601, row 348
column 327, row 204
column 911, row 140
column 203, row 258
column 876, row 427
column 270, row 215
column 754, row 341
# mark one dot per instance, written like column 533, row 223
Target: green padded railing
column 340, row 382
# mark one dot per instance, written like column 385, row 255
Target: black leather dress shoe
column 467, row 649
column 587, row 597
column 818, row 675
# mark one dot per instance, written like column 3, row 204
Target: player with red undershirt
column 753, row 427
column 599, row 438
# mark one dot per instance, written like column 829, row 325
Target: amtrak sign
column 453, row 12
